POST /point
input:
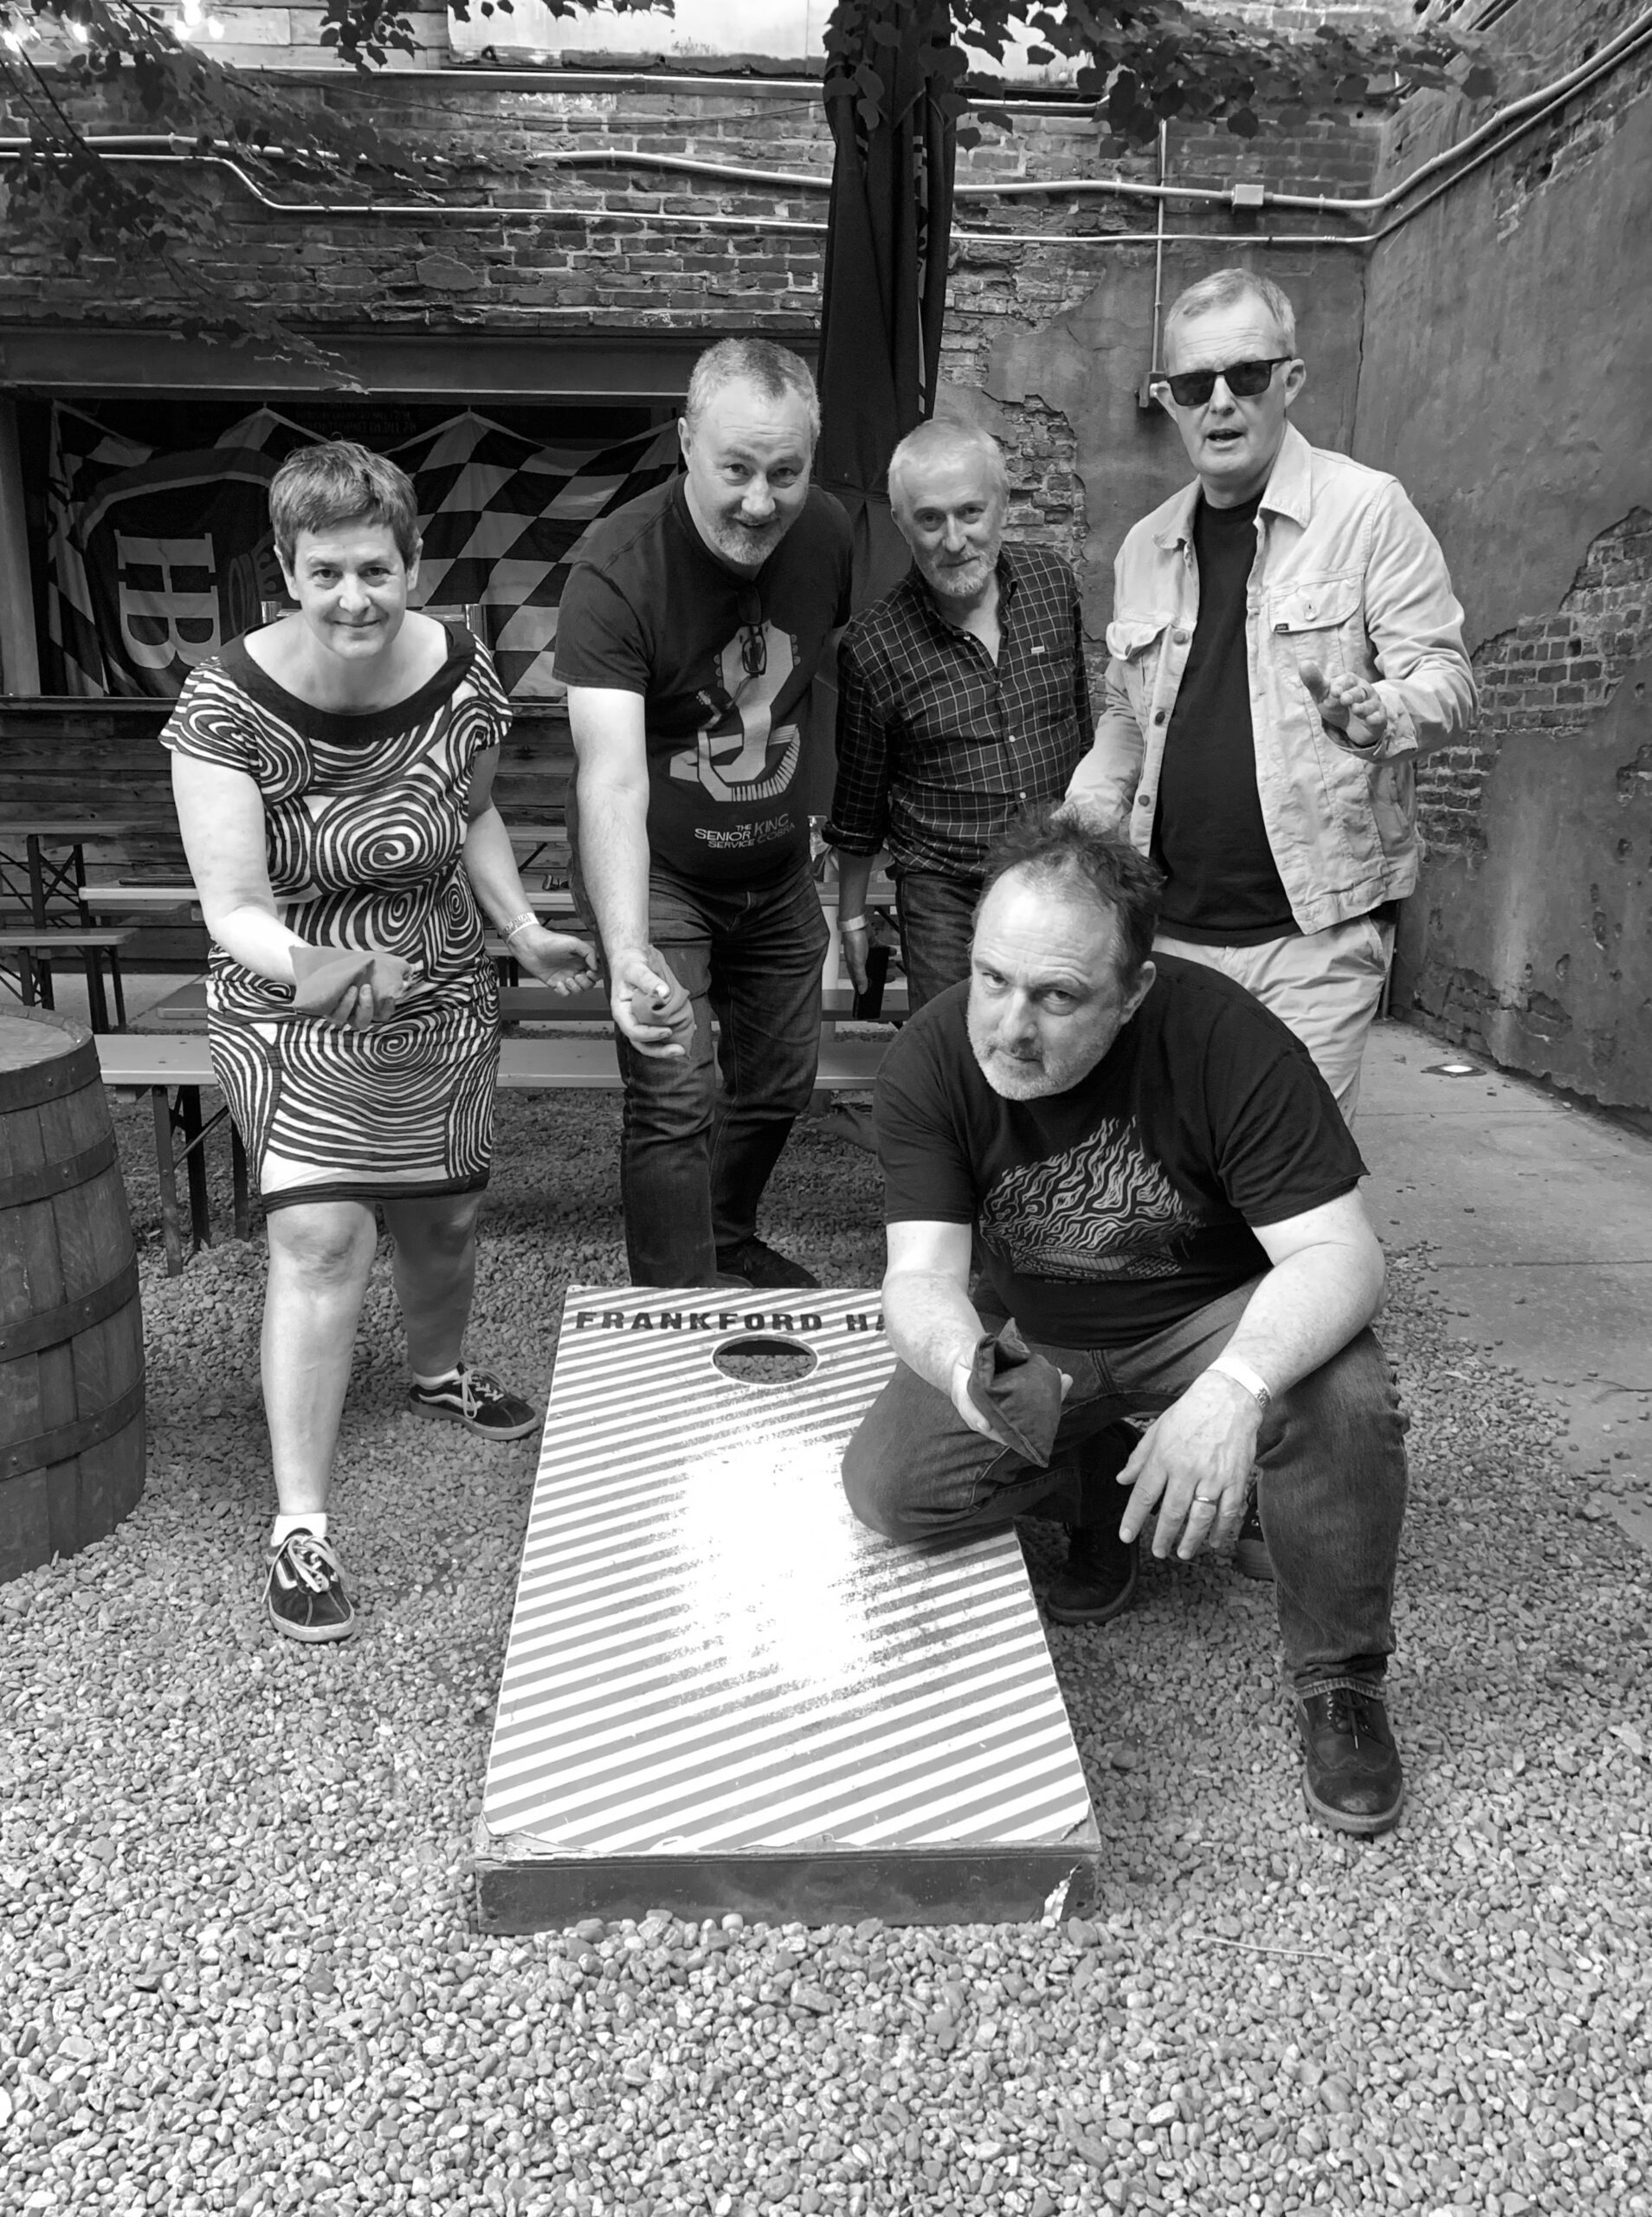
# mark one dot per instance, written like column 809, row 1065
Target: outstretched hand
column 1348, row 704
column 557, row 960
column 1195, row 1462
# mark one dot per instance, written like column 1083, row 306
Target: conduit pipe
column 763, row 226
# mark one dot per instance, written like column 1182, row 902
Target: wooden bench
column 162, row 1065
column 37, row 946
column 140, row 900
column 186, row 1009
column 172, row 1067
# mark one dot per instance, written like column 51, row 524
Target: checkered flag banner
column 502, row 520
column 158, row 558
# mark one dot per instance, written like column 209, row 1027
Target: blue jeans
column 1331, row 1490
column 937, row 924
column 696, row 1156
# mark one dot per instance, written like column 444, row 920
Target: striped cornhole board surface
column 709, row 1657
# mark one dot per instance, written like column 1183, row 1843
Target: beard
column 1015, row 1077
column 1054, row 1067
column 960, row 581
column 740, row 544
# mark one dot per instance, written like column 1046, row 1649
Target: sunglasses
column 754, row 640
column 1244, row 380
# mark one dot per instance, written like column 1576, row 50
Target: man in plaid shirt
column 962, row 700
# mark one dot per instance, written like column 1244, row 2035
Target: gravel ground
column 238, row 1961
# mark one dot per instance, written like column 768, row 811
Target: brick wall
column 1505, row 330
column 1548, row 676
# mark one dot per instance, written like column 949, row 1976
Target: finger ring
column 1205, row 1500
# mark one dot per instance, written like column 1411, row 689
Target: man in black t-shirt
column 1165, row 1203
column 688, row 634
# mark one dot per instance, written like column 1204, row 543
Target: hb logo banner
column 177, row 555
column 157, row 560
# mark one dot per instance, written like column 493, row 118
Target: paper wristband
column 1230, row 1366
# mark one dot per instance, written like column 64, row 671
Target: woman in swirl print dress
column 332, row 775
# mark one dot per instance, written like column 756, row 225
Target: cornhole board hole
column 721, row 1692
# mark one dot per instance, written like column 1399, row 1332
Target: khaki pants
column 1325, row 986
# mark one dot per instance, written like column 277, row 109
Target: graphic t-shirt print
column 739, row 755
column 1103, row 1209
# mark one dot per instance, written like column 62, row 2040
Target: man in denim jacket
column 1285, row 643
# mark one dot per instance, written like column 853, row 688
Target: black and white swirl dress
column 364, row 823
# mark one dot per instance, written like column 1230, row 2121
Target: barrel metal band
column 53, row 1326
column 49, row 1447
column 53, row 1178
column 50, row 1080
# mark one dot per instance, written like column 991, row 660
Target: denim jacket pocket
column 1321, row 621
column 1134, row 643
column 1129, row 637
column 1393, row 804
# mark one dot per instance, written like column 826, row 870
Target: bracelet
column 851, row 923
column 1231, row 1366
column 518, row 923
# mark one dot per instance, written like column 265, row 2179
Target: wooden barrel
column 71, row 1330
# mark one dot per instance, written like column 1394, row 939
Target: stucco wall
column 1087, row 364
column 1506, row 333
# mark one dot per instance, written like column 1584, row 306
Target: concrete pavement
column 1536, row 1221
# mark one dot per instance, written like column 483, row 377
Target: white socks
column 445, row 1378
column 306, row 1519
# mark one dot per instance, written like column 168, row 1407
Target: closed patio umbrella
column 885, row 281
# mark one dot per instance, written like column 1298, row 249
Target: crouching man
column 1165, row 1201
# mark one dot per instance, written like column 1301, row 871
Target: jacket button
column 1144, row 800
column 1158, row 715
column 1179, row 638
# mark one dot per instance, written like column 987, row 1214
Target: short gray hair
column 1221, row 289
column 317, row 489
column 775, row 371
column 945, row 440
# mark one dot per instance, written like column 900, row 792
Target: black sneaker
column 758, row 1265
column 1250, row 1555
column 1351, row 1777
column 1099, row 1579
column 476, row 1400
column 306, row 1597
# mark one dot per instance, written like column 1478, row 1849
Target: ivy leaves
column 1142, row 61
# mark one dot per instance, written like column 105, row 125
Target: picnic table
column 45, row 879
column 35, row 946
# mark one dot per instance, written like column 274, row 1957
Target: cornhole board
column 722, row 1692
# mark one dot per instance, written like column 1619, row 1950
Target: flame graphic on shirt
column 737, row 755
column 1104, row 1209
